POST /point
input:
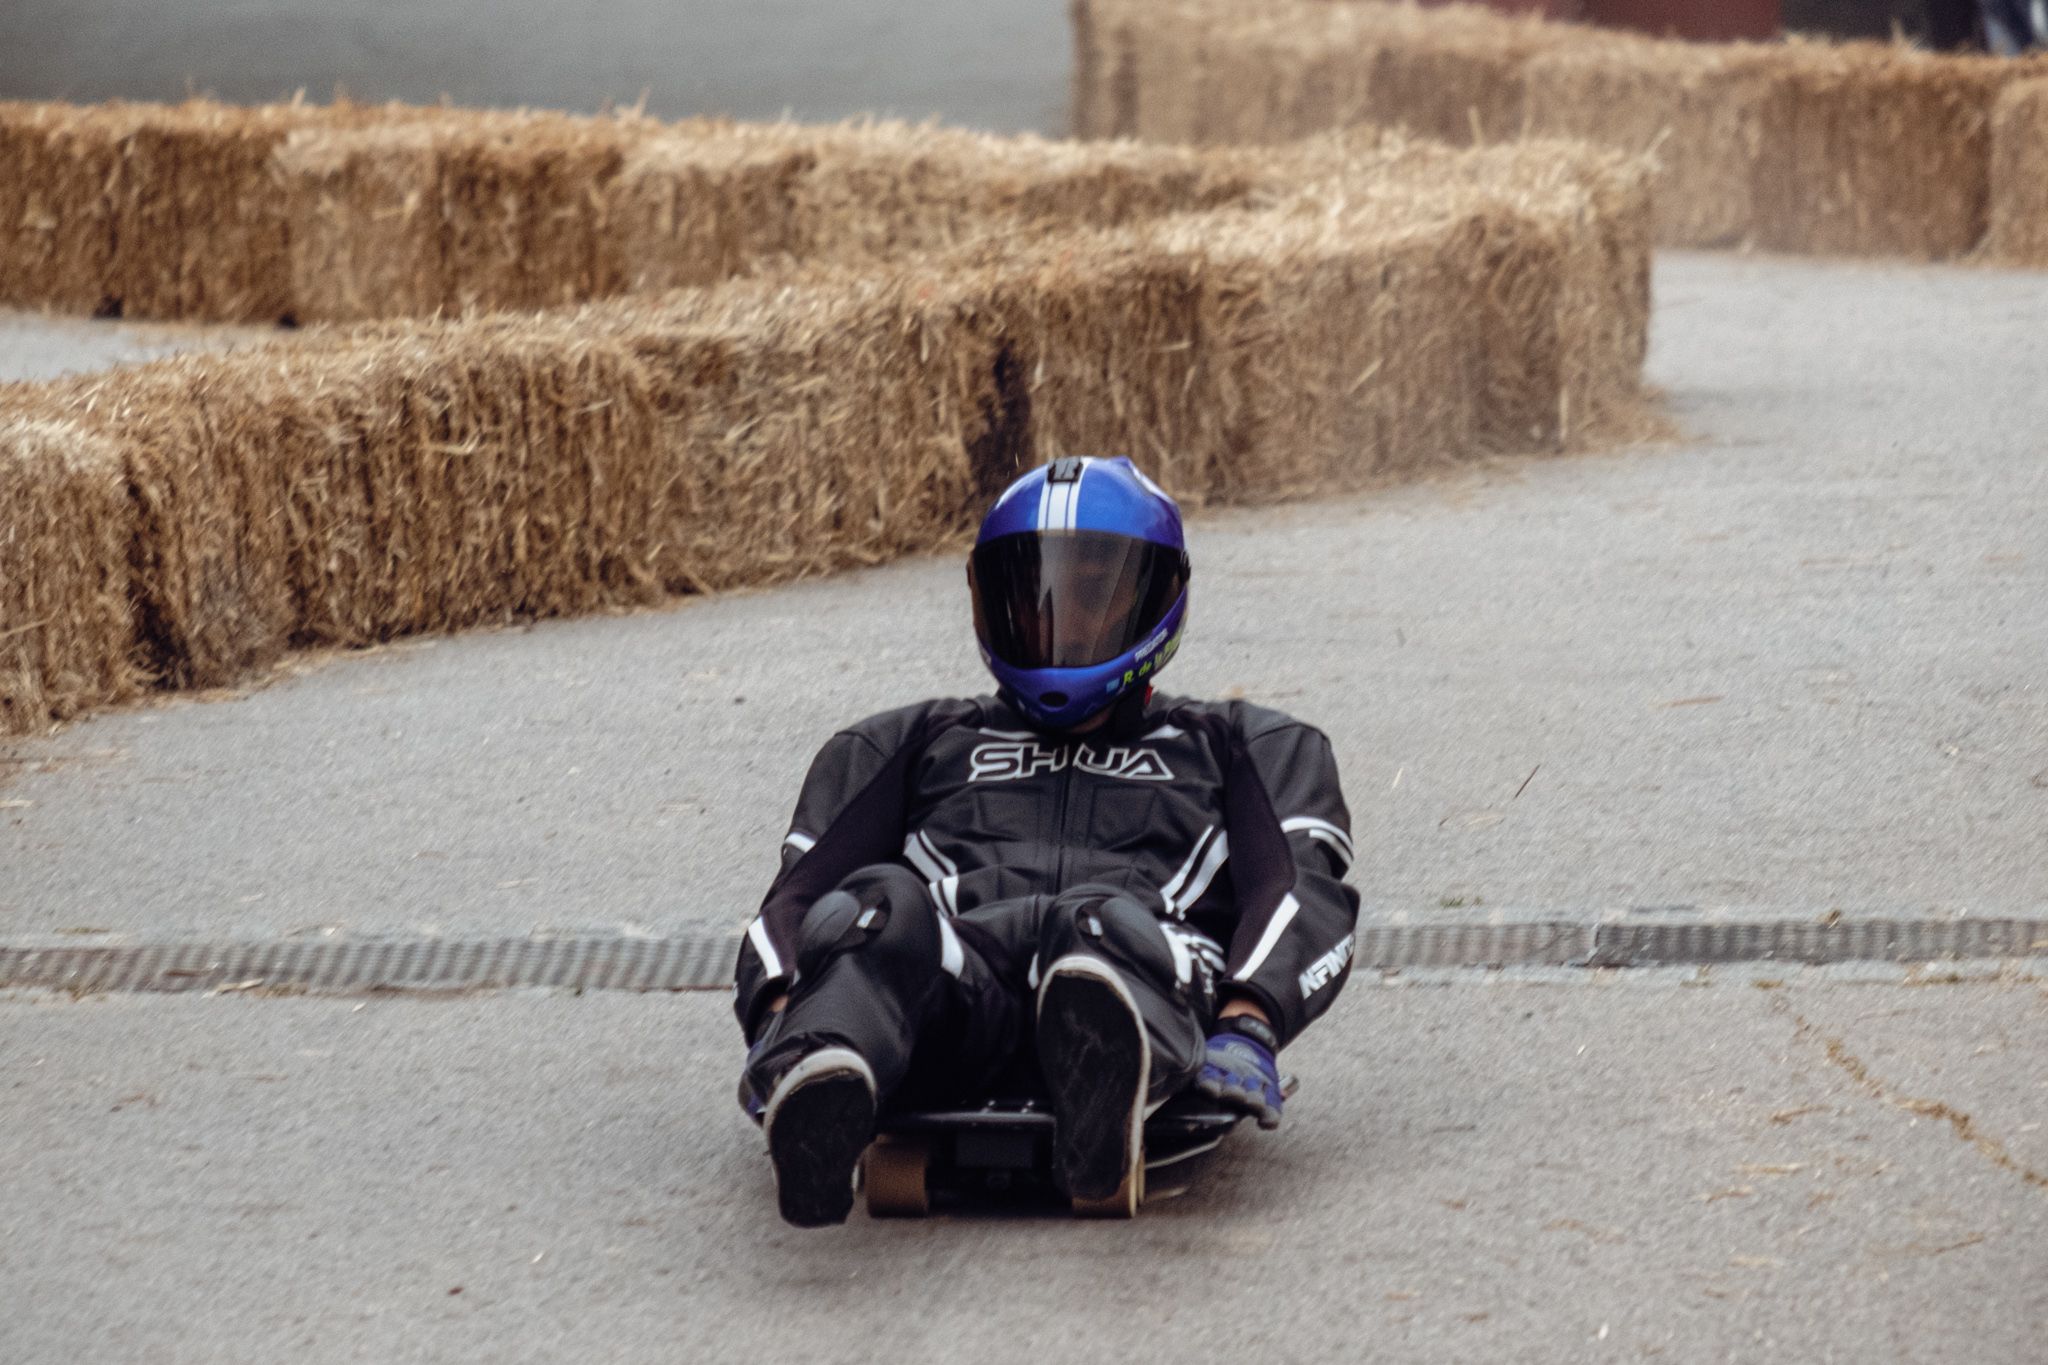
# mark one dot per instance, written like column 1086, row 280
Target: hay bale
column 1571, row 272
column 364, row 230
column 1701, row 111
column 459, row 211
column 61, row 186
column 1883, row 151
column 692, row 208
column 1857, row 148
column 527, row 210
column 157, row 211
column 362, row 488
column 703, row 206
column 809, row 425
column 1453, row 73
column 2019, row 175
column 207, row 579
column 887, row 190
column 1320, row 315
column 1208, row 71
column 1205, row 73
column 1560, row 240
column 197, row 232
column 66, row 634
column 1102, row 349
column 1604, row 306
column 447, row 477
column 1090, row 101
column 1335, row 352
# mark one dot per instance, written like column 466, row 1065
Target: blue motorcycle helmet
column 1080, row 585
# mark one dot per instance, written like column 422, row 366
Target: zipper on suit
column 1059, row 821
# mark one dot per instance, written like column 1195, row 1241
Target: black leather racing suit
column 942, row 854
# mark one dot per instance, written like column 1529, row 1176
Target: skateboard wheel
column 894, row 1172
column 1122, row 1204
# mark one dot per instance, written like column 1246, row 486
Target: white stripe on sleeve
column 1179, row 879
column 1322, row 829
column 1282, row 917
column 931, row 846
column 757, row 934
column 921, row 859
column 1192, row 892
column 952, row 957
column 800, row 841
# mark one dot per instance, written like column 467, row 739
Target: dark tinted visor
column 1071, row 599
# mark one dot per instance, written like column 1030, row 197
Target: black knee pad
column 832, row 925
column 881, row 910
column 1107, row 923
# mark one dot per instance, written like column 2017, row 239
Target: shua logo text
column 1023, row 758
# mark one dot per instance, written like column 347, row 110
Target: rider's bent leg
column 1118, row 1032
column 874, row 964
column 1170, row 990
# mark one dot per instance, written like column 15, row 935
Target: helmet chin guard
column 1080, row 585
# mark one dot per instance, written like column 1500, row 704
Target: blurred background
column 1000, row 67
column 995, row 66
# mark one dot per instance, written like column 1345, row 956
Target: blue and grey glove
column 1238, row 1070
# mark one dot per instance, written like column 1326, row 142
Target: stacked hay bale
column 59, row 173
column 344, row 494
column 1559, row 282
column 1206, row 71
column 809, row 423
column 1703, row 112
column 879, row 190
column 453, row 211
column 2019, row 176
column 66, row 635
column 693, row 210
column 526, row 212
column 157, row 211
column 1883, row 151
column 1859, row 148
column 1412, row 305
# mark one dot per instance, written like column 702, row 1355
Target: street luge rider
column 1141, row 891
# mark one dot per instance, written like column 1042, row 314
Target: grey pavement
column 36, row 346
column 1788, row 668
column 997, row 66
column 1481, row 1172
column 1792, row 667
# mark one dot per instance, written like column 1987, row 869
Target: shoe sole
column 819, row 1121
column 1097, row 1064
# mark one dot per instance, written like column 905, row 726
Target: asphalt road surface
column 1790, row 668
column 1477, row 1172
column 980, row 64
column 1793, row 667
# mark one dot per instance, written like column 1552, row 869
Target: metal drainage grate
column 1867, row 940
column 705, row 961
column 697, row 962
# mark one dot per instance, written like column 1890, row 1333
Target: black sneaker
column 1098, row 1065
column 819, row 1120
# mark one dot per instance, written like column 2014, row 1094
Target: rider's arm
column 849, row 815
column 1290, row 845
